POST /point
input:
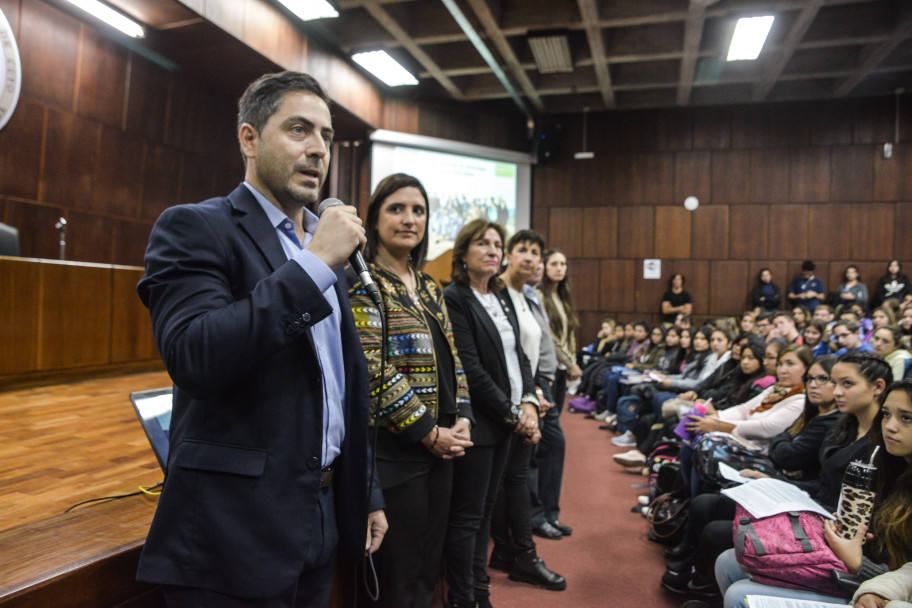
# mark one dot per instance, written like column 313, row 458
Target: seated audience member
column 887, row 343
column 785, row 327
column 807, row 289
column 882, row 316
column 891, row 528
column 894, row 588
column 676, row 301
column 825, row 313
column 815, row 337
column 683, row 321
column 852, row 290
column 771, row 356
column 796, row 452
column 707, row 358
column 905, row 323
column 865, row 324
column 649, row 358
column 748, row 322
column 894, row 284
column 767, row 296
column 801, row 316
column 764, row 325
column 846, row 334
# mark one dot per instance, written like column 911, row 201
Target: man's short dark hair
column 783, row 313
column 644, row 324
column 263, row 96
column 850, row 326
column 525, row 236
column 765, row 316
column 808, row 266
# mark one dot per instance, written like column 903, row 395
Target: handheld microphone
column 356, row 259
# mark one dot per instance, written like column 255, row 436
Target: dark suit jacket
column 231, row 316
column 482, row 354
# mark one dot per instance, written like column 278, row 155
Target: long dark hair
column 565, row 295
column 872, row 368
column 812, row 410
column 387, row 186
column 892, row 518
column 693, row 356
column 744, row 382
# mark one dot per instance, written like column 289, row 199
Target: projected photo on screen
column 460, row 187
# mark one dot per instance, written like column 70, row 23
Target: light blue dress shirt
column 326, row 334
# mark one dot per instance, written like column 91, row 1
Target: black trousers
column 709, row 529
column 511, row 522
column 409, row 562
column 475, row 479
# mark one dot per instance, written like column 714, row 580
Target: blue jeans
column 736, row 586
column 657, row 400
column 611, row 383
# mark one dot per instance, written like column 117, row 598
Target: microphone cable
column 370, row 571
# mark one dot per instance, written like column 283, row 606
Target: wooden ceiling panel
column 644, row 39
column 652, row 72
column 535, row 14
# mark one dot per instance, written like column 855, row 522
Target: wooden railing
column 67, row 320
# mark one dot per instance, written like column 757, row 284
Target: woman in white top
column 770, row 412
column 887, row 343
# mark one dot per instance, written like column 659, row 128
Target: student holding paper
column 890, row 546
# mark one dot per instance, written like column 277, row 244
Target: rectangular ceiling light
column 308, row 10
column 111, row 17
column 384, row 67
column 551, row 51
column 750, row 34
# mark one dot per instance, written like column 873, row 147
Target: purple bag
column 581, row 405
column 787, row 550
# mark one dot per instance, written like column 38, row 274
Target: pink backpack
column 786, row 550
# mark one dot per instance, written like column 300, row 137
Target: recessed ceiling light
column 750, row 34
column 111, row 17
column 308, row 10
column 384, row 67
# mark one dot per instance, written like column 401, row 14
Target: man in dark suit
column 267, row 473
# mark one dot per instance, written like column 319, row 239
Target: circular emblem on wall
column 12, row 71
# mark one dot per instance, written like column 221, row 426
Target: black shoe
column 563, row 529
column 546, row 530
column 680, row 551
column 501, row 560
column 687, row 583
column 483, row 601
column 531, row 569
column 682, row 566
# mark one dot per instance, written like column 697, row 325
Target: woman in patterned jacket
column 424, row 417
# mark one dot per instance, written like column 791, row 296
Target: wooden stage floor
column 63, row 444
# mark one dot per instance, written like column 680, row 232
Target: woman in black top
column 676, row 301
column 894, row 284
column 767, row 296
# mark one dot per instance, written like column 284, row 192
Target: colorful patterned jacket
column 409, row 405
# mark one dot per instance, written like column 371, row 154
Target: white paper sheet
column 731, row 474
column 767, row 601
column 766, row 497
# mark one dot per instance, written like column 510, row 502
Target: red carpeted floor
column 608, row 561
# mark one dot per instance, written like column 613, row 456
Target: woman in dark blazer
column 502, row 393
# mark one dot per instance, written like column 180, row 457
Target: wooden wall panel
column 636, row 226
column 47, row 38
column 903, row 234
column 693, row 176
column 599, row 232
column 830, row 227
column 893, row 176
column 809, row 180
column 852, row 177
column 131, row 326
column 69, row 160
column 730, row 287
column 159, row 189
column 100, row 90
column 712, row 129
column 620, row 183
column 672, row 232
column 873, row 120
column 730, row 176
column 769, row 175
column 789, row 125
column 648, row 293
column 19, row 297
column 130, row 240
column 752, row 128
column 749, row 226
column 37, row 236
column 585, row 276
column 654, row 179
column 117, row 181
column 89, row 237
column 789, row 231
column 710, row 236
column 147, row 99
column 20, row 150
column 872, row 232
column 829, row 124
column 565, row 230
column 75, row 316
column 616, row 285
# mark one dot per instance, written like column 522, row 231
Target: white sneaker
column 573, row 386
column 625, row 440
column 643, row 500
column 611, row 418
column 601, row 416
column 633, row 458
